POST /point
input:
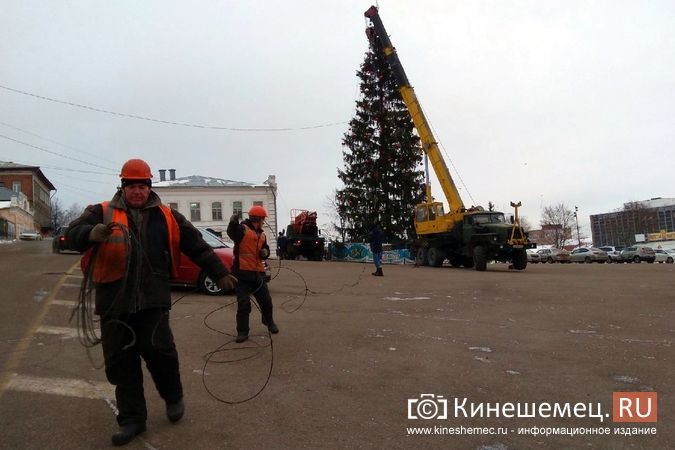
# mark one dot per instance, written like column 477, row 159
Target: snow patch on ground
column 481, row 349
column 626, row 379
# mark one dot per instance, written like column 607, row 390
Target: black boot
column 274, row 329
column 378, row 272
column 175, row 411
column 241, row 337
column 127, row 433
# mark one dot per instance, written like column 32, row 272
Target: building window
column 173, row 206
column 16, row 186
column 236, row 209
column 257, row 203
column 195, row 213
column 217, row 210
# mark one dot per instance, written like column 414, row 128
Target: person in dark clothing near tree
column 250, row 249
column 133, row 246
column 376, row 238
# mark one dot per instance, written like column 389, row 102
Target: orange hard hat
column 257, row 211
column 136, row 169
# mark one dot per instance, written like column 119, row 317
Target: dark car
column 60, row 241
column 190, row 274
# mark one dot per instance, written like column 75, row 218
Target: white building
column 210, row 202
column 16, row 215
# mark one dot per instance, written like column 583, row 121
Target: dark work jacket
column 147, row 283
column 236, row 231
column 376, row 238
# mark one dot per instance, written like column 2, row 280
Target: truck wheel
column 636, row 259
column 421, row 257
column 480, row 258
column 435, row 257
column 519, row 259
column 550, row 260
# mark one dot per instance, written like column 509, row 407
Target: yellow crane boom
column 379, row 38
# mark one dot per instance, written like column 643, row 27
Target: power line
column 53, row 152
column 78, row 190
column 82, row 180
column 168, row 122
column 63, row 169
column 50, row 140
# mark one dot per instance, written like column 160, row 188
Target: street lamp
column 576, row 217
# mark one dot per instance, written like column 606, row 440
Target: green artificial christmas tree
column 382, row 177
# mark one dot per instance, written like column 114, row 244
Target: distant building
column 654, row 218
column 30, row 181
column 210, row 202
column 15, row 214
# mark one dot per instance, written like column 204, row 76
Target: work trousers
column 145, row 334
column 261, row 294
column 377, row 259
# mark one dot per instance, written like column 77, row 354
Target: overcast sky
column 538, row 101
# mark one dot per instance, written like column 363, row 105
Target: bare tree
column 638, row 219
column 525, row 224
column 72, row 213
column 556, row 224
column 57, row 213
column 337, row 221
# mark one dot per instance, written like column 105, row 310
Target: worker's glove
column 264, row 253
column 227, row 282
column 234, row 218
column 100, row 233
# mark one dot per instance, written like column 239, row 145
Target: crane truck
column 468, row 237
column 302, row 237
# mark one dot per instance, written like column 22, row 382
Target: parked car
column 533, row 256
column 60, row 241
column 637, row 254
column 588, row 255
column 613, row 253
column 662, row 256
column 553, row 255
column 190, row 274
column 30, row 236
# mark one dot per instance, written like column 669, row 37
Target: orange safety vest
column 249, row 250
column 111, row 256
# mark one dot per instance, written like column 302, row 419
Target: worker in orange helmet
column 137, row 243
column 250, row 249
